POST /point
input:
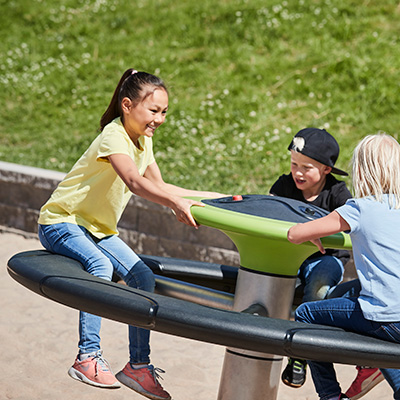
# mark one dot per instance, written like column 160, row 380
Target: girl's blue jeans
column 101, row 257
column 345, row 313
column 319, row 276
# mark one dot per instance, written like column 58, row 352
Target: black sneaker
column 294, row 375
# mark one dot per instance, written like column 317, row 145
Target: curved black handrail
column 63, row 280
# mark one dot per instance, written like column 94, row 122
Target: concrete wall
column 147, row 227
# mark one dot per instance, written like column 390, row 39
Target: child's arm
column 154, row 174
column 145, row 187
column 314, row 230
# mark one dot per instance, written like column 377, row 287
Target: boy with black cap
column 314, row 153
column 313, row 156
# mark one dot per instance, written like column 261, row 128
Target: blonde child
column 80, row 220
column 372, row 218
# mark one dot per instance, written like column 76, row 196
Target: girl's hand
column 181, row 209
column 318, row 243
column 295, row 231
column 320, row 227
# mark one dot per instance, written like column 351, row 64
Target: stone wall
column 147, row 227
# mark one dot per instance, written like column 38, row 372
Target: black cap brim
column 338, row 171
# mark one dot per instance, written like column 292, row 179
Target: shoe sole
column 75, row 374
column 375, row 382
column 132, row 384
column 293, row 385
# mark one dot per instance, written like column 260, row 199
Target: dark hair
column 134, row 85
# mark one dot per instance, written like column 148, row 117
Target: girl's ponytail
column 131, row 85
column 113, row 110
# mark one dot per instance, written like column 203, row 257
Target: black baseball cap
column 319, row 145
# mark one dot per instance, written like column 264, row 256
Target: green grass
column 244, row 76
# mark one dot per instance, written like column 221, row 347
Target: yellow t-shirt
column 92, row 194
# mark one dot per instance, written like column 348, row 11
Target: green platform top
column 262, row 241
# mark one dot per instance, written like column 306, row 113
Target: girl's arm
column 314, row 230
column 154, row 174
column 144, row 186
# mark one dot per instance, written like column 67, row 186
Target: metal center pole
column 248, row 375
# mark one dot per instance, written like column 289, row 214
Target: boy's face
column 309, row 175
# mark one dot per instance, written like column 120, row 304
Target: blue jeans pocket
column 390, row 331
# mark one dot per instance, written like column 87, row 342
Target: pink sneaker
column 94, row 370
column 144, row 381
column 366, row 379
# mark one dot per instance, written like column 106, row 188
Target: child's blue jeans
column 100, row 257
column 319, row 276
column 345, row 313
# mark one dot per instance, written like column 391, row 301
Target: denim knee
column 301, row 313
column 140, row 276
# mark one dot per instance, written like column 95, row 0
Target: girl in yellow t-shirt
column 80, row 220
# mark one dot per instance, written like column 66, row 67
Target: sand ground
column 38, row 341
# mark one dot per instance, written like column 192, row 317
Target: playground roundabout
column 246, row 309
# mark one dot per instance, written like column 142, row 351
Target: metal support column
column 250, row 375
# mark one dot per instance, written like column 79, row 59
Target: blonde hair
column 376, row 168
